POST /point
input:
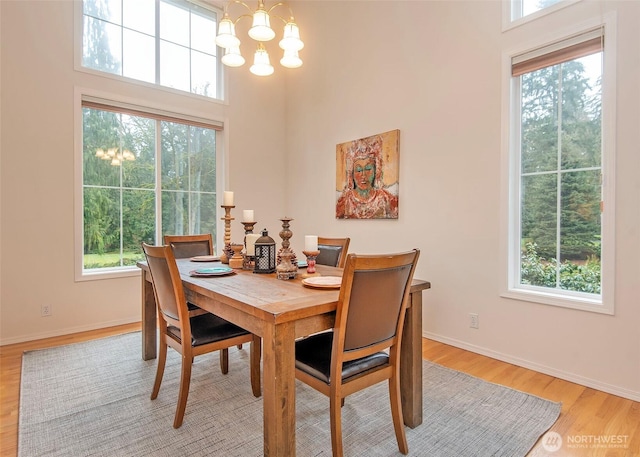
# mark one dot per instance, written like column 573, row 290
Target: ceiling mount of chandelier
column 261, row 32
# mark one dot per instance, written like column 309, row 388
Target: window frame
column 84, row 93
column 508, row 6
column 221, row 74
column 510, row 174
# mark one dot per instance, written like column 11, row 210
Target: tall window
column 144, row 175
column 165, row 42
column 558, row 238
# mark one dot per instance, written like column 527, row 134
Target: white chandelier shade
column 261, row 63
column 232, row 57
column 261, row 32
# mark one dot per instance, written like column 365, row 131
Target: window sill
column 95, row 275
column 582, row 303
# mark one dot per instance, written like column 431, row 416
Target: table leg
column 279, row 392
column 149, row 316
column 411, row 363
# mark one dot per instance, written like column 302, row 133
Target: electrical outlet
column 474, row 321
column 45, row 310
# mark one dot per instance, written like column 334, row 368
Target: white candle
column 247, row 215
column 228, row 198
column 310, row 243
column 250, row 241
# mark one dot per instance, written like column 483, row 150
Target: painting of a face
column 363, row 173
column 367, row 177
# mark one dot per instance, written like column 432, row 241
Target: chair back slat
column 372, row 302
column 164, row 274
column 375, row 305
column 185, row 246
column 333, row 251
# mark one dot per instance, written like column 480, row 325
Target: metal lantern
column 265, row 249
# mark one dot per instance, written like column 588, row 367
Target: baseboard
column 67, row 331
column 567, row 376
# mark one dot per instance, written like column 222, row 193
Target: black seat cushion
column 313, row 356
column 192, row 307
column 208, row 328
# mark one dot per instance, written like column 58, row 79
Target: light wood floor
column 588, row 415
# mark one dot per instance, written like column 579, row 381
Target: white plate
column 323, row 282
column 205, row 258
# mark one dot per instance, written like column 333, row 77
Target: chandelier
column 114, row 155
column 261, row 32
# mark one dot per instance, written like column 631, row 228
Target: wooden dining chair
column 187, row 246
column 333, row 251
column 369, row 320
column 190, row 335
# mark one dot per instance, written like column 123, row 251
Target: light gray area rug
column 92, row 399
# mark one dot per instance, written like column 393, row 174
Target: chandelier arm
column 240, row 2
column 276, row 5
column 241, row 16
column 286, row 21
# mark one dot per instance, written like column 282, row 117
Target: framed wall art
column 367, row 177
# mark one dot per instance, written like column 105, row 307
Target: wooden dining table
column 279, row 311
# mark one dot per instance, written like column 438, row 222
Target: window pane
column 539, row 220
column 102, row 46
column 138, row 169
column 100, row 133
column 174, row 66
column 203, row 214
column 540, row 94
column 175, row 143
column 203, row 33
column 175, row 208
column 138, row 223
column 188, row 212
column 101, row 228
column 580, row 218
column 174, row 24
column 202, row 160
column 204, row 74
column 531, row 6
column 109, row 10
column 581, row 113
column 140, row 15
column 139, row 56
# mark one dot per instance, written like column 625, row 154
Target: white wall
column 37, row 165
column 439, row 82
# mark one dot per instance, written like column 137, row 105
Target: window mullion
column 559, row 179
column 158, row 184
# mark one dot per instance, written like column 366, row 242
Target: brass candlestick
column 311, row 263
column 227, row 252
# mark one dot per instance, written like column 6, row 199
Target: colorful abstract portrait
column 367, row 177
